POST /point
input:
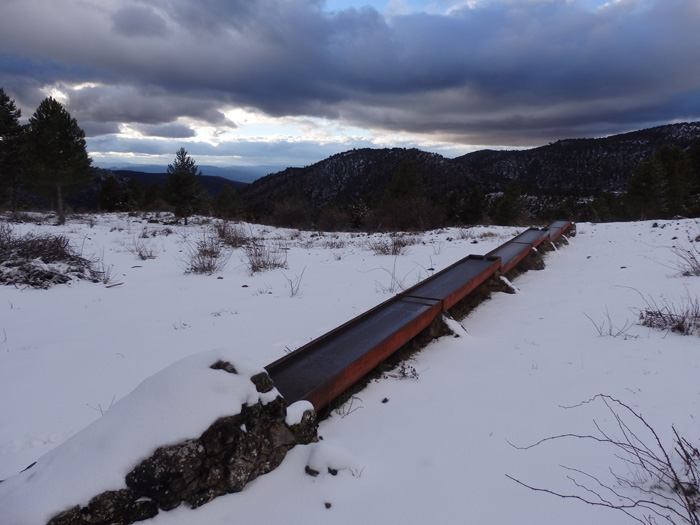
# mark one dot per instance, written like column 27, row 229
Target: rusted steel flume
column 324, row 368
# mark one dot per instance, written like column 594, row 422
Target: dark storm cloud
column 502, row 72
column 138, row 20
column 95, row 129
column 143, row 104
column 168, row 131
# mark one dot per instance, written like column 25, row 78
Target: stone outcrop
column 233, row 451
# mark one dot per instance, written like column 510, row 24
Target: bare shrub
column 103, row 272
column 683, row 318
column 40, row 261
column 396, row 282
column 264, row 255
column 607, row 328
column 231, row 234
column 334, row 243
column 688, row 263
column 351, row 405
column 437, row 247
column 659, row 483
column 141, row 246
column 394, row 244
column 206, row 255
column 294, row 284
column 464, row 234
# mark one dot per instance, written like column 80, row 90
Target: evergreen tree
column 133, row 196
column 646, row 191
column 58, row 162
column 151, row 195
column 360, row 213
column 694, row 199
column 694, row 155
column 606, row 207
column 11, row 136
column 678, row 176
column 508, row 208
column 452, row 207
column 227, row 202
column 110, row 196
column 405, row 184
column 474, row 207
column 403, row 206
column 182, row 185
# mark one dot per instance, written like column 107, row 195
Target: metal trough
column 455, row 282
column 557, row 229
column 510, row 253
column 322, row 369
column 532, row 236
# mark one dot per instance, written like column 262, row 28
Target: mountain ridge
column 585, row 166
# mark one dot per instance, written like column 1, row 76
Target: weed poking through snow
column 206, row 255
column 683, row 317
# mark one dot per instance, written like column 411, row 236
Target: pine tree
column 110, row 196
column 694, row 200
column 474, row 207
column 403, row 205
column 182, row 185
column 11, row 136
column 678, row 177
column 509, row 208
column 405, row 184
column 646, row 191
column 227, row 202
column 134, row 194
column 151, row 195
column 57, row 157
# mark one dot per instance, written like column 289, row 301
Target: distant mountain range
column 566, row 167
column 211, row 184
column 238, row 173
column 579, row 167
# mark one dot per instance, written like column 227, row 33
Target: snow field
column 439, row 449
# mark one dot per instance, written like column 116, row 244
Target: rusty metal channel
column 514, row 251
column 511, row 253
column 324, row 368
column 557, row 229
column 455, row 282
column 532, row 236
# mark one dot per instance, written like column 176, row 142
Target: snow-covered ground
column 436, row 448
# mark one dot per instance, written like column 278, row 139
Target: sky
column 291, row 82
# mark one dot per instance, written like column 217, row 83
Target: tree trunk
column 59, row 204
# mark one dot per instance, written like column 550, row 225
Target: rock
column 116, row 507
column 305, row 431
column 119, row 507
column 72, row 516
column 533, row 261
column 169, row 476
column 231, row 452
column 262, row 382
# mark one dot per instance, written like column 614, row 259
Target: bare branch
column 662, row 486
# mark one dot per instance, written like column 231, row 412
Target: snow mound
column 329, row 458
column 178, row 403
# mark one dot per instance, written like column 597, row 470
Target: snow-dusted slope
column 432, row 449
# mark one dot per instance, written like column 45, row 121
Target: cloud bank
column 479, row 73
